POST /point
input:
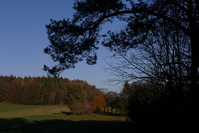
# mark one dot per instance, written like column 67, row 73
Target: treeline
column 80, row 96
column 33, row 90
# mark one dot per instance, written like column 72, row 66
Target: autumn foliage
column 80, row 96
column 98, row 103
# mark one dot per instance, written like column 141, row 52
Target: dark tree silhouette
column 78, row 39
column 162, row 60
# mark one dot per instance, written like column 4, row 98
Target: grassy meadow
column 45, row 118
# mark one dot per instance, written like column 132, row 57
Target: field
column 49, row 119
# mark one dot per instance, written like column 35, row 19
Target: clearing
column 46, row 118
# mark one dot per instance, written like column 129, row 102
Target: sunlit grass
column 47, row 112
column 15, row 107
column 30, row 111
column 39, row 118
column 94, row 117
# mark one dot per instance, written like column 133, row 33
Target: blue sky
column 23, row 38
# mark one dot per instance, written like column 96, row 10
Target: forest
column 80, row 96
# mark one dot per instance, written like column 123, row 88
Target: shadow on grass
column 19, row 125
column 63, row 113
column 108, row 114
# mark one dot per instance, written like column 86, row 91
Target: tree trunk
column 194, row 91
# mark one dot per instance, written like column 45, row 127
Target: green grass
column 94, row 117
column 11, row 107
column 46, row 112
column 31, row 111
column 47, row 119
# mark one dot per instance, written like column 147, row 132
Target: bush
column 78, row 107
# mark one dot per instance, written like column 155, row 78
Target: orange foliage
column 98, row 103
